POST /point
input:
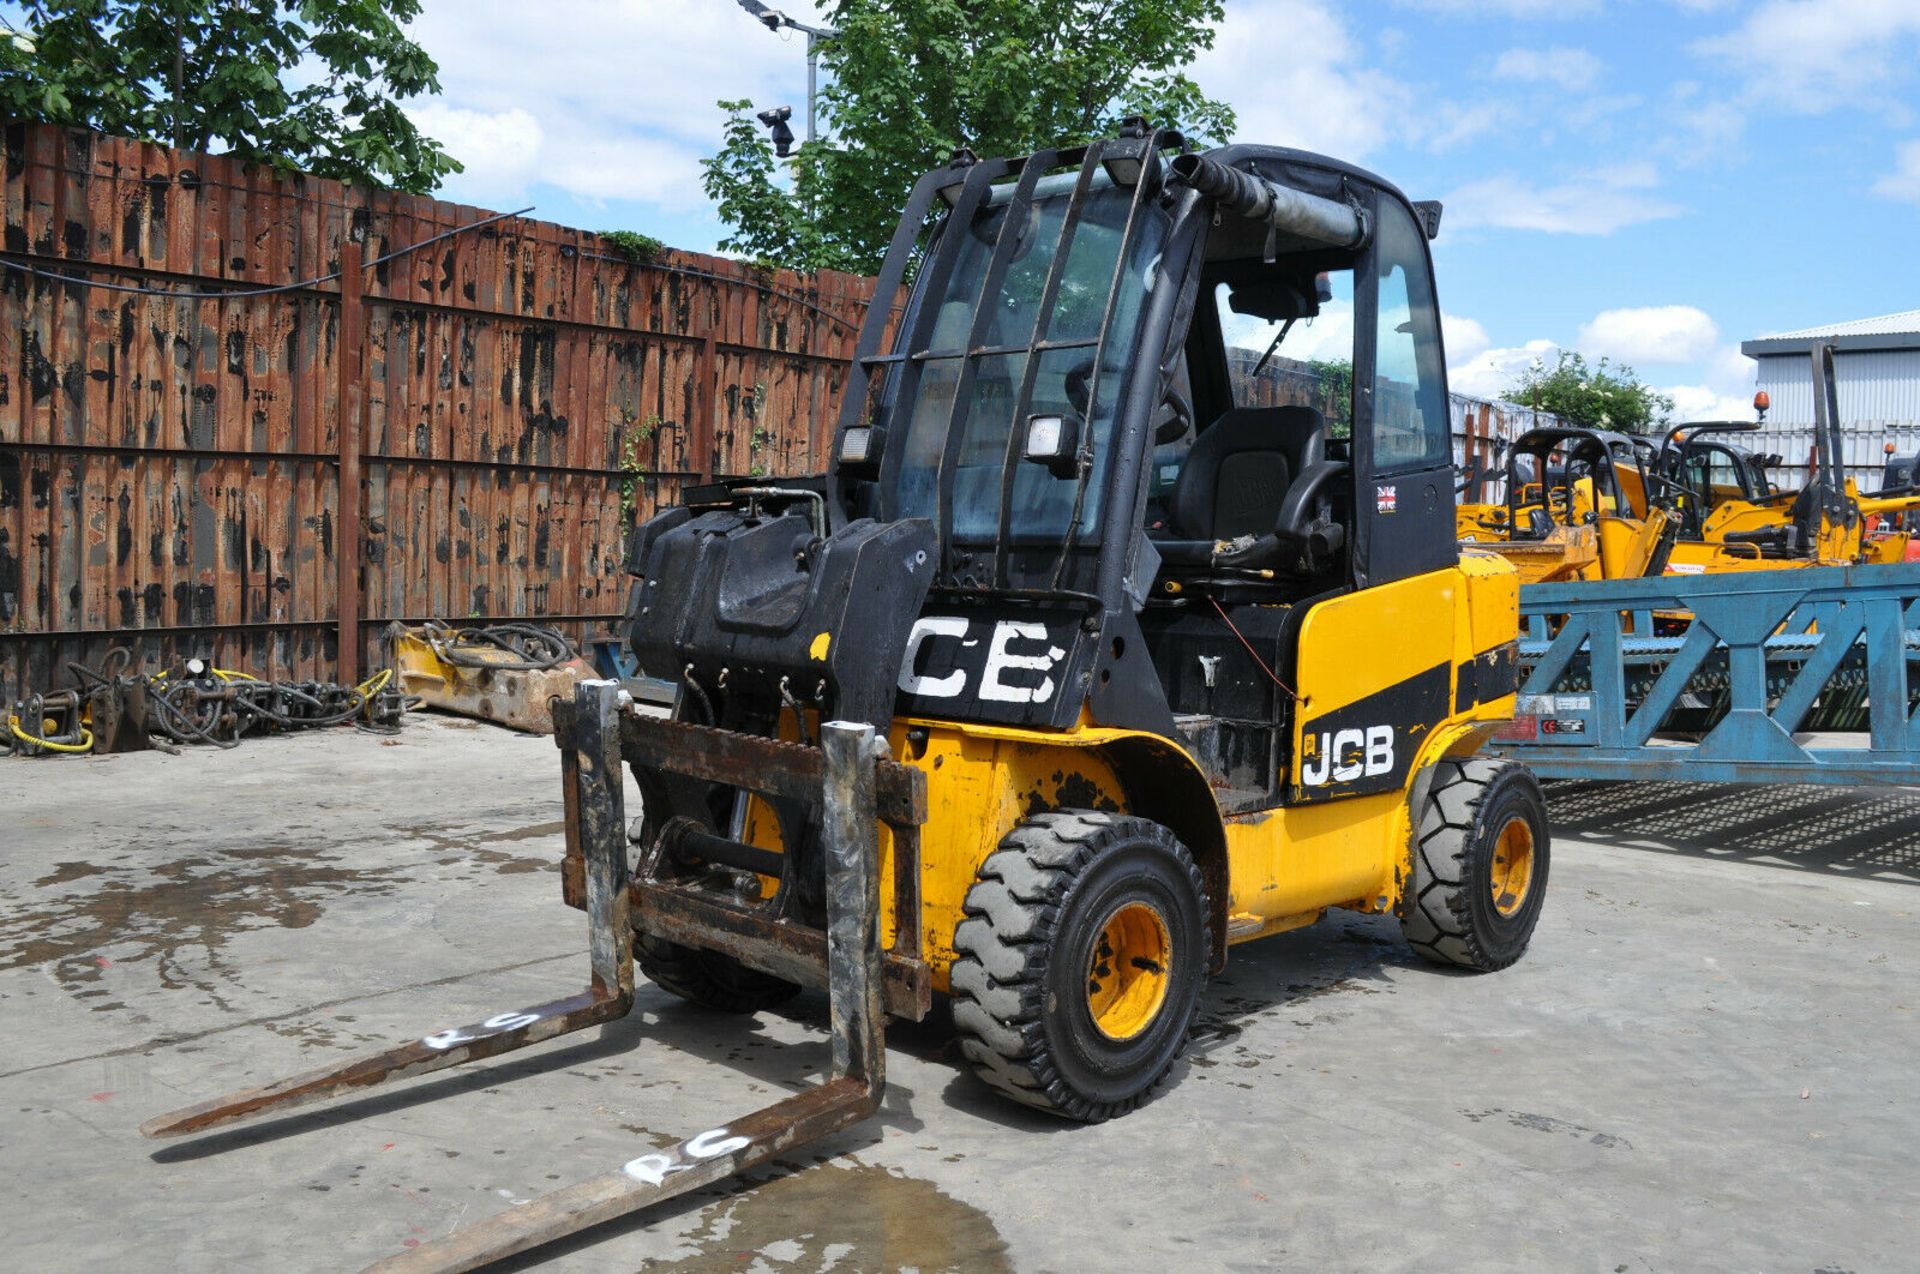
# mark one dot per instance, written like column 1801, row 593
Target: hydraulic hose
column 531, row 646
column 85, row 744
column 1281, row 207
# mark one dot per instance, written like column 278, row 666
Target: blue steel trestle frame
column 1771, row 649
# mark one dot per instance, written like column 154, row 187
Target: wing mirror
column 1053, row 440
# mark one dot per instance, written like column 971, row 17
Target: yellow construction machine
column 1074, row 672
column 1577, row 507
column 1730, row 516
column 1586, row 504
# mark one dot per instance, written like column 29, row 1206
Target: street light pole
column 813, row 73
column 774, row 20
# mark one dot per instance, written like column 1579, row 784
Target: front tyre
column 1479, row 865
column 1080, row 962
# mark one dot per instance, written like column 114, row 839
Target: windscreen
column 967, row 400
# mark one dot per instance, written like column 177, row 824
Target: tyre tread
column 997, row 980
column 1436, row 918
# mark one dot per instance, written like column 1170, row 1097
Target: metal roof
column 1889, row 331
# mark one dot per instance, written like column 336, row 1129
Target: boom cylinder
column 1282, row 207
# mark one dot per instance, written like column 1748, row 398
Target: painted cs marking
column 442, row 1040
column 1345, row 755
column 711, row 1144
column 1001, row 660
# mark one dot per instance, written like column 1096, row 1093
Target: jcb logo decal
column 1346, row 755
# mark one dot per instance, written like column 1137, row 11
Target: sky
column 1648, row 180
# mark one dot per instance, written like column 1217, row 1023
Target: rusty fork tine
column 588, row 732
column 641, row 1182
column 501, row 1033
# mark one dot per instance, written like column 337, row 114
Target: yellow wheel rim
column 1128, row 973
column 1512, row 866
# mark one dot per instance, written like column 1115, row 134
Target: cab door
column 1403, row 446
column 1376, row 665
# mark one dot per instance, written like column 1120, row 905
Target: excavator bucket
column 599, row 733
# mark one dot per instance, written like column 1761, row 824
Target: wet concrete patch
column 471, row 845
column 1547, row 1123
column 177, row 914
column 850, row 1220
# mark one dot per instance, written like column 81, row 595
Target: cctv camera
column 776, row 125
column 772, row 19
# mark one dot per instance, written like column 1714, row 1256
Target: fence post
column 349, row 364
column 706, row 393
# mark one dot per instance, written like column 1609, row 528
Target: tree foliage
column 313, row 84
column 910, row 80
column 1597, row 397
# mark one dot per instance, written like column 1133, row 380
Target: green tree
column 912, row 79
column 1597, row 397
column 313, row 84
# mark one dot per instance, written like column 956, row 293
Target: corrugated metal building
column 1876, row 363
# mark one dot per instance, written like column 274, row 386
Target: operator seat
column 1237, row 473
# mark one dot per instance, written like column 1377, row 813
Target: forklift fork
column 593, row 755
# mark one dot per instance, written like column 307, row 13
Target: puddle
column 441, row 838
column 855, row 1219
column 180, row 914
column 468, row 845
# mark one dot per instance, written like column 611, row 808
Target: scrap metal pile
column 111, row 709
column 506, row 673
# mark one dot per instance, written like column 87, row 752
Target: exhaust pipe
column 1281, row 207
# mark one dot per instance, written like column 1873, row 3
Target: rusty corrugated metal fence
column 462, row 430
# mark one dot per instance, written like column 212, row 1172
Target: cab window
column 1410, row 429
column 1305, row 362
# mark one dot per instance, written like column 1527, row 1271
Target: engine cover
column 744, row 601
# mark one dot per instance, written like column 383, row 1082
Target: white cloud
column 1450, row 124
column 1722, row 383
column 616, row 101
column 1324, row 95
column 1574, row 69
column 1505, row 8
column 1491, row 372
column 648, row 169
column 1597, row 202
column 1465, row 338
column 1651, row 334
column 1317, row 96
column 1701, row 126
column 1814, row 55
column 501, row 151
column 1724, row 393
column 1903, row 183
column 1704, row 402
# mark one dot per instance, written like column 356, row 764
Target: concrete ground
column 1705, row 1062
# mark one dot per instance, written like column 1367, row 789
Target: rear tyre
column 709, row 978
column 1080, row 962
column 1479, row 865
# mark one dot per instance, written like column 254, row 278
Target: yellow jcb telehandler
column 1075, row 671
